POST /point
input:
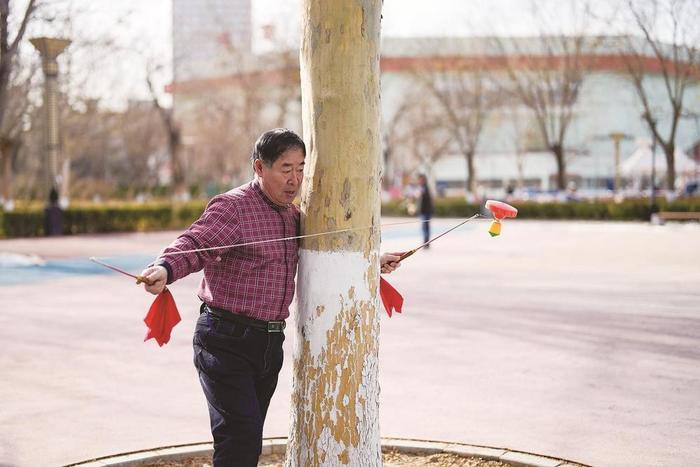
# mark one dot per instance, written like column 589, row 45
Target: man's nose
column 296, row 178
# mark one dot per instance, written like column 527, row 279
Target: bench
column 662, row 216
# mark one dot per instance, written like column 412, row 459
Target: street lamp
column 49, row 49
column 651, row 121
column 652, row 201
column 617, row 137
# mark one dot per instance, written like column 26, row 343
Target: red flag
column 391, row 298
column 161, row 318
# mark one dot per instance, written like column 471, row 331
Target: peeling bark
column 335, row 400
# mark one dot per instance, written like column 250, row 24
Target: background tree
column 397, row 131
column 462, row 97
column 173, row 135
column 13, row 103
column 546, row 77
column 670, row 44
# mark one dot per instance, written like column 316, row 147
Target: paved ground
column 579, row 340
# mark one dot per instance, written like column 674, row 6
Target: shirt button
column 218, row 258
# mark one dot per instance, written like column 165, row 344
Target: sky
column 142, row 28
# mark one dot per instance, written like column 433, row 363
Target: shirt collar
column 258, row 189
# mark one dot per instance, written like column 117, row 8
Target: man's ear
column 257, row 167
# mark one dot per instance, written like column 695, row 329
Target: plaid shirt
column 255, row 280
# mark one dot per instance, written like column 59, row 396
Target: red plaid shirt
column 255, row 280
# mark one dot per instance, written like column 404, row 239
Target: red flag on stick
column 161, row 318
column 391, row 298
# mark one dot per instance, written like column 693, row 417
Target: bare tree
column 289, row 89
column 286, row 89
column 173, row 134
column 395, row 132
column 677, row 60
column 10, row 109
column 113, row 152
column 224, row 129
column 462, row 98
column 422, row 135
column 429, row 143
column 546, row 73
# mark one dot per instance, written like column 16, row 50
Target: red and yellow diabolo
column 499, row 210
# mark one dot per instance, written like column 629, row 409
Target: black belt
column 268, row 326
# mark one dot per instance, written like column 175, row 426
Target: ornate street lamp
column 50, row 49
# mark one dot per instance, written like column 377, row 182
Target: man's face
column 281, row 180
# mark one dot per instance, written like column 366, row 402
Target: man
column 246, row 292
column 425, row 206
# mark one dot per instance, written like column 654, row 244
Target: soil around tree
column 391, row 458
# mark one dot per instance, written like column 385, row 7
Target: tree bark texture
column 335, row 401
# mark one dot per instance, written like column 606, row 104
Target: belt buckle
column 275, row 326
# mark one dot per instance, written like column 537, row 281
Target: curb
column 279, row 446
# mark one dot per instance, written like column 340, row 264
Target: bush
column 117, row 219
column 28, row 221
column 628, row 210
column 90, row 219
column 186, row 213
column 25, row 222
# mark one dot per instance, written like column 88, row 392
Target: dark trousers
column 238, row 367
column 426, row 227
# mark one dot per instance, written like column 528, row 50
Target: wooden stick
column 410, row 252
column 139, row 278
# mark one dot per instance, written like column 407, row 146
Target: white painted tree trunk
column 335, row 401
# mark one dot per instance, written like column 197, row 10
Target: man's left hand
column 389, row 262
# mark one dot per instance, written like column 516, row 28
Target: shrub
column 633, row 209
column 89, row 219
column 25, row 222
column 28, row 221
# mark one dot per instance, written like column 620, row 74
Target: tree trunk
column 471, row 176
column 335, row 401
column 558, row 152
column 6, row 154
column 669, row 150
column 176, row 163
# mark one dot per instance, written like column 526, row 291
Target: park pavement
column 578, row 340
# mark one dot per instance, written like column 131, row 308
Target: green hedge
column 88, row 219
column 627, row 210
column 81, row 219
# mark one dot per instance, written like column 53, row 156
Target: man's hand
column 156, row 277
column 388, row 262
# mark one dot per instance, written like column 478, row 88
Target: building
column 510, row 149
column 204, row 31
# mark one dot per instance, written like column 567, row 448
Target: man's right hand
column 156, row 277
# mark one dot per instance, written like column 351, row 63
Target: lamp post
column 652, row 199
column 617, row 137
column 50, row 49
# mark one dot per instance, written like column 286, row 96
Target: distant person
column 571, row 191
column 691, row 188
column 510, row 190
column 53, row 215
column 425, row 206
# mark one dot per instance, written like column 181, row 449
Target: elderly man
column 245, row 292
